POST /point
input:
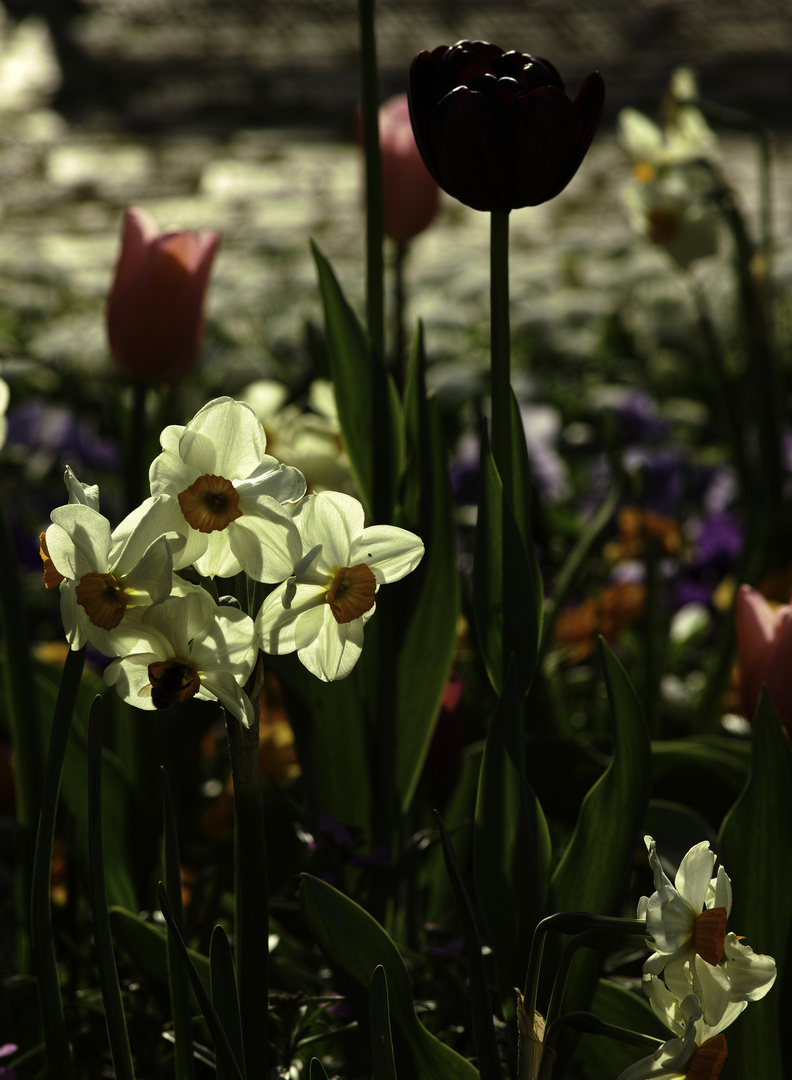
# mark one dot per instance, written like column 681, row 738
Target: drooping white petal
column 283, row 483
column 228, row 644
column 129, row 675
column 221, row 684
column 750, row 974
column 711, row 985
column 275, row 623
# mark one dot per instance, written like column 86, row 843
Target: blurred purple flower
column 53, row 431
column 717, row 546
column 6, row 1072
column 639, row 418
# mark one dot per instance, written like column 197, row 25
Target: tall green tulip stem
column 251, row 897
column 369, row 108
column 500, row 347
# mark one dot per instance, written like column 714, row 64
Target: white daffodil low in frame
column 686, row 926
column 697, row 1052
column 320, row 611
column 189, row 647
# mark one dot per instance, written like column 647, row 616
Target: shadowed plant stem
column 251, row 924
column 500, row 348
column 369, row 109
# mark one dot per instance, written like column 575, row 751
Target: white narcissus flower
column 189, row 647
column 215, row 485
column 321, row 610
column 105, row 583
column 698, row 1051
column 686, row 926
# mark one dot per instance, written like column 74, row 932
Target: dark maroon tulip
column 496, row 130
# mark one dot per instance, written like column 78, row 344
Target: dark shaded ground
column 152, row 65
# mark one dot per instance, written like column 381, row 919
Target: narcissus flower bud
column 496, row 129
column 155, row 306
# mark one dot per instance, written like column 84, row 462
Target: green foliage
column 757, row 852
column 355, row 945
column 368, row 406
column 511, row 844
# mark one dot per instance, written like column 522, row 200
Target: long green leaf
column 224, row 996
column 511, row 844
column 147, row 945
column 603, row 1058
column 756, row 841
column 178, row 982
column 56, row 1039
column 368, row 407
column 222, row 1045
column 480, row 1002
column 382, row 1060
column 355, row 944
column 428, row 600
column 105, row 959
column 592, row 869
column 505, row 598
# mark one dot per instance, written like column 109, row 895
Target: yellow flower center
column 352, row 592
column 644, row 171
column 103, row 598
column 708, row 1060
column 52, row 577
column 709, row 934
column 210, row 503
column 171, row 681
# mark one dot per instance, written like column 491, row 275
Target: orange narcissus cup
column 155, row 305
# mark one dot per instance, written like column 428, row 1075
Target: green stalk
column 135, row 456
column 251, row 897
column 113, row 1004
column 369, row 107
column 500, row 348
column 56, row 1039
column 24, row 726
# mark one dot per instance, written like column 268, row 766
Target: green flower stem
column 500, row 347
column 23, row 723
column 251, row 896
column 764, row 377
column 56, row 1039
column 135, row 456
column 400, row 338
column 572, row 922
column 369, row 107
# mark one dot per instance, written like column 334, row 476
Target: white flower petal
column 222, row 686
column 265, row 541
column 335, row 650
column 751, row 974
column 694, row 875
column 390, row 552
column 79, row 542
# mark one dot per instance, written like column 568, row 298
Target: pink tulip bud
column 410, row 196
column 764, row 652
column 155, row 306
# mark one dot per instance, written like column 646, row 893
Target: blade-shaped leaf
column 178, row 982
column 480, row 1002
column 367, row 402
column 756, row 841
column 604, row 1058
column 355, row 944
column 511, row 844
column 428, row 599
column 382, row 1060
column 506, row 601
column 148, row 946
column 224, row 996
column 592, row 869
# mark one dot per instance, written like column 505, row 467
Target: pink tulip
column 155, row 306
column 410, row 196
column 764, row 652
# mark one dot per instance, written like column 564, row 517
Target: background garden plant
column 373, row 915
